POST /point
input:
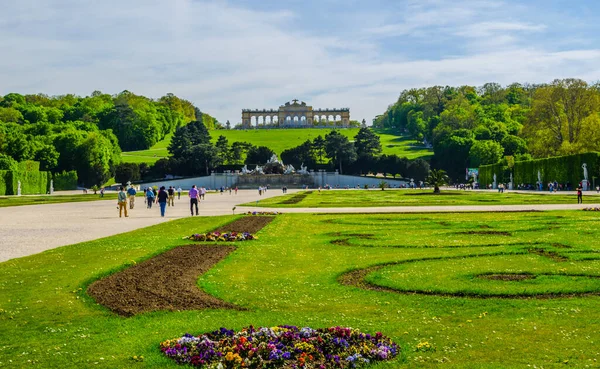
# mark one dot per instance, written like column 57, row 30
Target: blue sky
column 228, row 55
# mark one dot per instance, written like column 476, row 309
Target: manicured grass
column 392, row 143
column 376, row 197
column 281, row 139
column 290, row 276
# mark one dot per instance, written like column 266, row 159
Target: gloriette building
column 295, row 114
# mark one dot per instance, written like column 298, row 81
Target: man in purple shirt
column 194, row 198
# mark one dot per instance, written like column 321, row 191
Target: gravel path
column 27, row 230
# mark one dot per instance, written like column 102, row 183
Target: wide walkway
column 27, row 230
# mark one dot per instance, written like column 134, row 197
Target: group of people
column 229, row 189
column 163, row 197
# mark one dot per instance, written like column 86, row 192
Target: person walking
column 194, row 195
column 149, row 198
column 236, row 189
column 122, row 201
column 579, row 195
column 202, row 192
column 179, row 193
column 171, row 193
column 131, row 192
column 162, row 199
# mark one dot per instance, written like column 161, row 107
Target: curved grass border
column 356, row 278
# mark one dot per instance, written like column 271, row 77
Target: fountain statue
column 303, row 169
column 289, row 169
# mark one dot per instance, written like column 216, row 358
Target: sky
column 225, row 56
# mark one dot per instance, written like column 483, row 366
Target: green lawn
column 291, row 275
column 392, row 143
column 376, row 197
column 281, row 139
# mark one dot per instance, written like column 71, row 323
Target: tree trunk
column 436, row 189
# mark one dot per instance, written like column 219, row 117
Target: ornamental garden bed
column 281, row 347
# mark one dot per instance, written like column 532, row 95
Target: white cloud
column 224, row 57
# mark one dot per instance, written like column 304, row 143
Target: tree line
column 87, row 134
column 469, row 126
column 193, row 153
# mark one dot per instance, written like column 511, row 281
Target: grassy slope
column 376, row 197
column 289, row 276
column 281, row 139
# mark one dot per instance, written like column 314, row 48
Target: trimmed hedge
column 4, row 182
column 563, row 169
column 65, row 181
column 28, row 166
column 32, row 182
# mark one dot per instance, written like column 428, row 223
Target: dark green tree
column 222, row 146
column 318, row 146
column 126, row 172
column 367, row 143
column 203, row 158
column 339, row 149
column 259, row 155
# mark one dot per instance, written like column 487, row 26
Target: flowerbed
column 264, row 213
column 221, row 237
column 591, row 209
column 281, row 347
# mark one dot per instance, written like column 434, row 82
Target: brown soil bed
column 164, row 282
column 296, row 198
column 507, row 277
column 250, row 224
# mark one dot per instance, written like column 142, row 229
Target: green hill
column 282, row 139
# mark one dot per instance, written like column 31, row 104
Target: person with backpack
column 150, row 198
column 162, row 199
column 122, row 202
column 131, row 192
column 171, row 193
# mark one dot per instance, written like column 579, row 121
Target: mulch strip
column 168, row 281
column 296, row 198
column 164, row 282
column 250, row 224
